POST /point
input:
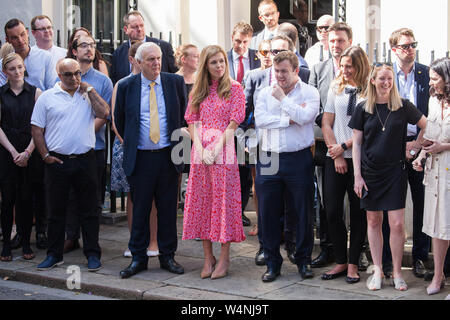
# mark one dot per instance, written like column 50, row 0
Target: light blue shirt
column 407, row 90
column 144, row 134
column 41, row 72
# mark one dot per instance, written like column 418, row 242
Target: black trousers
column 73, row 218
column 79, row 173
column 245, row 177
column 154, row 177
column 334, row 192
column 294, row 176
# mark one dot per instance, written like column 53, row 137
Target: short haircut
column 39, row 17
column 144, row 46
column 342, row 26
column 395, row 36
column 75, row 41
column 131, row 13
column 12, row 24
column 134, row 46
column 285, row 38
column 264, row 2
column 289, row 30
column 242, row 27
column 287, row 55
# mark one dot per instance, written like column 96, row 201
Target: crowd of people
column 300, row 132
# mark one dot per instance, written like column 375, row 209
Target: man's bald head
column 70, row 74
column 66, row 63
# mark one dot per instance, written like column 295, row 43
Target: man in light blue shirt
column 38, row 63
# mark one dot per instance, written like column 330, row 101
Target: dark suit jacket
column 253, row 60
column 120, row 67
column 422, row 82
column 127, row 112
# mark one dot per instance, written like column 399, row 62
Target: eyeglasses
column 71, row 74
column 407, row 46
column 85, row 45
column 277, row 51
column 322, row 28
column 264, row 53
column 49, row 28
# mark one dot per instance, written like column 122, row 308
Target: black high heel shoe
column 6, row 255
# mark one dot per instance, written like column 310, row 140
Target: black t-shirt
column 388, row 146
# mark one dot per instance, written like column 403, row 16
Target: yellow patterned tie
column 154, row 118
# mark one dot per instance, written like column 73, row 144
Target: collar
column 59, row 90
column 146, row 82
column 400, row 71
column 26, row 86
column 236, row 56
column 90, row 70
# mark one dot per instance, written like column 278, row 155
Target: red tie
column 240, row 70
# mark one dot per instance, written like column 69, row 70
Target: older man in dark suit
column 150, row 106
column 135, row 30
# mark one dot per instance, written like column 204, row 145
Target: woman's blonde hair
column 6, row 49
column 11, row 57
column 182, row 51
column 200, row 90
column 395, row 101
column 360, row 63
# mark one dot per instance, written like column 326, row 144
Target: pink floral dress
column 212, row 209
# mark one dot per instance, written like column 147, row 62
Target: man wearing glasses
column 42, row 30
column 38, row 63
column 83, row 48
column 412, row 80
column 63, row 123
column 313, row 55
column 268, row 15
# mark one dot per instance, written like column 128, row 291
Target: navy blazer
column 120, row 67
column 253, row 60
column 127, row 113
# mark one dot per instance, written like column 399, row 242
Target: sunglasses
column 408, row 46
column 277, row 51
column 264, row 53
column 322, row 28
column 71, row 74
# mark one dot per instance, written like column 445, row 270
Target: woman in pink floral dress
column 212, row 209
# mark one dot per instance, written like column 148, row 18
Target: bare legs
column 210, row 261
column 439, row 250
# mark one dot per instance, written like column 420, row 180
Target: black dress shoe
column 387, row 269
column 290, row 250
column 134, row 268
column 363, row 263
column 322, row 260
column 419, row 269
column 351, row 280
column 305, row 271
column 259, row 258
column 16, row 242
column 171, row 265
column 41, row 241
column 270, row 275
column 331, row 276
column 245, row 221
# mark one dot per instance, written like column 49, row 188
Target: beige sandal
column 399, row 284
column 374, row 283
column 253, row 231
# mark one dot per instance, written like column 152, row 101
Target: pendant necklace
column 383, row 125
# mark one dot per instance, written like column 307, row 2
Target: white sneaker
column 151, row 253
column 127, row 253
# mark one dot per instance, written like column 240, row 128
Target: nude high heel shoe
column 432, row 290
column 206, row 274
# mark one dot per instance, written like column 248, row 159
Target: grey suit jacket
column 321, row 76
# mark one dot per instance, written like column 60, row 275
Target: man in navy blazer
column 412, row 80
column 149, row 102
column 135, row 30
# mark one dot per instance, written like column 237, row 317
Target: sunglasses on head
column 407, row 46
column 277, row 51
column 264, row 53
column 322, row 28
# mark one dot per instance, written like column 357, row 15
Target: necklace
column 383, row 125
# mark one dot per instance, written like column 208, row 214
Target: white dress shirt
column 245, row 62
column 272, row 118
column 312, row 55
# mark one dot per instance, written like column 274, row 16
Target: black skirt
column 387, row 186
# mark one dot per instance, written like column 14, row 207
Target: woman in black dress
column 19, row 165
column 379, row 151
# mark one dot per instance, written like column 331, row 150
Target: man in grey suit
column 268, row 15
column 339, row 38
column 254, row 82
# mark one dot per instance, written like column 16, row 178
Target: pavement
column 242, row 283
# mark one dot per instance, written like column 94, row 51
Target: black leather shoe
column 171, row 265
column 134, row 268
column 245, row 221
column 16, row 242
column 41, row 241
column 290, row 250
column 270, row 275
column 331, row 276
column 71, row 245
column 363, row 263
column 322, row 260
column 387, row 269
column 305, row 271
column 419, row 268
column 259, row 258
column 351, row 280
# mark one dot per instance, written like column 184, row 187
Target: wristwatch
column 89, row 89
column 344, row 146
column 412, row 152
